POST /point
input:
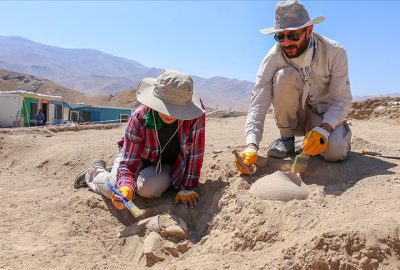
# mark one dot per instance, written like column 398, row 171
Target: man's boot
column 281, row 147
column 83, row 176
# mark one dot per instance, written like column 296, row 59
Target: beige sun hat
column 291, row 15
column 171, row 93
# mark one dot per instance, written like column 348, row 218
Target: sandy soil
column 351, row 220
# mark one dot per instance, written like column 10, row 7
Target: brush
column 135, row 211
column 300, row 163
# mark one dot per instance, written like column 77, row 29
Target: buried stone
column 280, row 186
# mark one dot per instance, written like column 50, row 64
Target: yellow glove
column 249, row 156
column 315, row 142
column 127, row 192
column 186, row 195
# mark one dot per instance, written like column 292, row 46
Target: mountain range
column 97, row 73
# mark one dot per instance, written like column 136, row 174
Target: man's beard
column 300, row 49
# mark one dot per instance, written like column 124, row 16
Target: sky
column 211, row 38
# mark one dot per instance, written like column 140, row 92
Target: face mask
column 153, row 120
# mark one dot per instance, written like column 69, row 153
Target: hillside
column 13, row 81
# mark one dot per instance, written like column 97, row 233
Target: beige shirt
column 329, row 87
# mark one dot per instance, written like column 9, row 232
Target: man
column 163, row 145
column 305, row 76
column 40, row 118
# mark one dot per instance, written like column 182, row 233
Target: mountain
column 98, row 73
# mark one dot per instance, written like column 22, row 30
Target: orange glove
column 116, row 200
column 249, row 156
column 315, row 142
column 188, row 197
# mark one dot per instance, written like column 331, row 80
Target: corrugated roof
column 81, row 105
column 29, row 93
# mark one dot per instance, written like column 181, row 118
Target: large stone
column 153, row 249
column 280, row 186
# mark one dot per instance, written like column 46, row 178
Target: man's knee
column 336, row 151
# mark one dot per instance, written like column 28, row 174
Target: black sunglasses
column 280, row 37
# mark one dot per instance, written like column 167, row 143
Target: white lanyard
column 158, row 166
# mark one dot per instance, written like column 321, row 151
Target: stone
column 153, row 249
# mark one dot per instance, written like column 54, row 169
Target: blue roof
column 81, row 105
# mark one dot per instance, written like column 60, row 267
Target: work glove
column 189, row 198
column 249, row 156
column 315, row 142
column 116, row 200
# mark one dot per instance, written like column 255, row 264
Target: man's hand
column 189, row 198
column 116, row 200
column 249, row 156
column 315, row 142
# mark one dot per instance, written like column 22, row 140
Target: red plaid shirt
column 141, row 143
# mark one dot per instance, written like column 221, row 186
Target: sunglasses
column 280, row 37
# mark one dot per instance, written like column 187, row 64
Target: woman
column 163, row 144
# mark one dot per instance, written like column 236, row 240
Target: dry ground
column 351, row 220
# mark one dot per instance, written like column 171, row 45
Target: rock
column 184, row 246
column 171, row 248
column 379, row 109
column 217, row 151
column 280, row 186
column 153, row 249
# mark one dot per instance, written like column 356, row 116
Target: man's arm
column 339, row 90
column 261, row 99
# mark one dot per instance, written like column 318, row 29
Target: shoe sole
column 80, row 179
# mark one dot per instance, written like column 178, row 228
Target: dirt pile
column 349, row 220
column 382, row 107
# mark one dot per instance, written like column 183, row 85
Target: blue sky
column 211, row 38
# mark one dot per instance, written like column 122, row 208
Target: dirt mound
column 382, row 107
column 349, row 220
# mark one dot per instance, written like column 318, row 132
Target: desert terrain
column 351, row 219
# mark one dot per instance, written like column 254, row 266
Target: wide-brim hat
column 171, row 93
column 291, row 15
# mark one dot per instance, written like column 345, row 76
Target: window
column 123, row 118
column 74, row 116
column 58, row 112
column 34, row 110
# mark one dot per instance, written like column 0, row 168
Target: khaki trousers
column 294, row 119
column 149, row 183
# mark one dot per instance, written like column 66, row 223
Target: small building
column 98, row 114
column 18, row 109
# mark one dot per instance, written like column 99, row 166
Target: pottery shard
column 135, row 228
column 153, row 249
column 174, row 231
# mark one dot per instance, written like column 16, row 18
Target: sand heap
column 350, row 220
